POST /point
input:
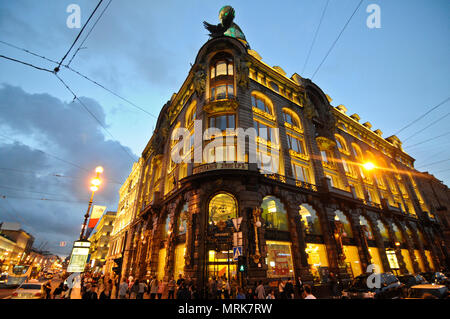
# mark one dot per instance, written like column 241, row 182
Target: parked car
column 29, row 290
column 436, row 278
column 428, row 291
column 390, row 288
column 408, row 281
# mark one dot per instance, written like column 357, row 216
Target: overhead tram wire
column 438, row 162
column 431, row 124
column 422, row 116
column 25, row 63
column 27, row 191
column 315, row 36
column 78, row 36
column 93, row 116
column 428, row 140
column 335, row 41
column 85, row 38
column 80, row 74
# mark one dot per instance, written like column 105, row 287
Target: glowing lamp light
column 94, row 188
column 397, row 243
column 369, row 166
column 99, row 169
column 96, row 181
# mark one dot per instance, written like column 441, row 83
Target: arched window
column 340, row 216
column 341, row 144
column 182, row 220
column 166, row 227
column 222, row 207
column 398, row 233
column 383, row 231
column 367, row 228
column 357, row 153
column 274, row 214
column 261, row 102
column 191, row 113
column 221, row 77
column 291, row 118
column 310, row 220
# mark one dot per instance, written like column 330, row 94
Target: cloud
column 68, row 132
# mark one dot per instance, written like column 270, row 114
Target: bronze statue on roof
column 226, row 27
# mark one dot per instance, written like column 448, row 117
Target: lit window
column 274, row 214
column 222, row 122
column 296, row 144
column 261, row 104
column 301, row 173
column 222, row 207
column 310, row 220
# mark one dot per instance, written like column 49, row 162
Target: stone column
column 360, row 241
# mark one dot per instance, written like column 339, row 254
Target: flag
column 97, row 212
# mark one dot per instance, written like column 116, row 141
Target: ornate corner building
column 315, row 210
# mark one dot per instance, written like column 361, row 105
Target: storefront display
column 279, row 260
column 180, row 251
column 407, row 260
column 376, row 258
column 352, row 259
column 317, row 259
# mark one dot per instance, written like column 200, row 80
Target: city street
column 5, row 293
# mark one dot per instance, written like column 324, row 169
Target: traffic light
column 242, row 263
column 117, row 270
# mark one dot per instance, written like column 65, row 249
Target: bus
column 18, row 275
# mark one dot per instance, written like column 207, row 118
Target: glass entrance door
column 221, row 264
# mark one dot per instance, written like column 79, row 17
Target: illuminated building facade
column 322, row 210
column 100, row 241
column 125, row 215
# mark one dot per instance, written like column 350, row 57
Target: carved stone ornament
column 199, row 80
column 243, row 71
column 309, row 109
column 324, row 143
column 220, row 106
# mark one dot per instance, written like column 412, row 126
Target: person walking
column 281, row 293
column 161, row 289
column 89, row 293
column 271, row 294
column 289, row 289
column 171, row 286
column 142, row 287
column 154, row 287
column 240, row 293
column 57, row 293
column 48, row 290
column 134, row 289
column 299, row 285
column 308, row 294
column 260, row 291
column 123, row 289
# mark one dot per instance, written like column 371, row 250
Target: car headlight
column 369, row 294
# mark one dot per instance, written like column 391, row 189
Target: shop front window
column 367, row 229
column 383, row 231
column 279, row 260
column 161, row 263
column 182, row 218
column 310, row 220
column 317, row 261
column 180, row 251
column 222, row 207
column 274, row 214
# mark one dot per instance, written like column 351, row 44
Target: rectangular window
column 221, row 68
column 296, row 144
column 223, row 122
column 279, row 260
column 301, row 173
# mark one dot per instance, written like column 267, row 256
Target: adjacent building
column 100, row 241
column 126, row 211
column 15, row 245
column 318, row 191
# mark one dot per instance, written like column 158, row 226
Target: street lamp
column 368, row 166
column 95, row 183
